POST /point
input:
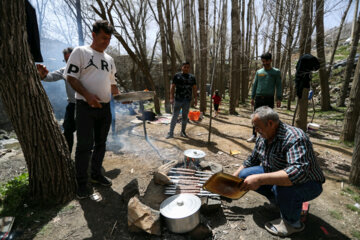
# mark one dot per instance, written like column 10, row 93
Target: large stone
column 130, row 190
column 212, row 166
column 143, row 217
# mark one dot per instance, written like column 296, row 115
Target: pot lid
column 180, row 206
column 194, row 153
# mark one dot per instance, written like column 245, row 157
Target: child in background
column 217, row 100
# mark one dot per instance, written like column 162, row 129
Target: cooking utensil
column 192, row 157
column 225, row 185
column 181, row 212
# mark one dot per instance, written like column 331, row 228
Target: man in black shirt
column 183, row 86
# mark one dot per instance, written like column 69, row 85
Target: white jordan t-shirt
column 95, row 70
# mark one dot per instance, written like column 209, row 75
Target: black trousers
column 263, row 101
column 92, row 126
column 69, row 125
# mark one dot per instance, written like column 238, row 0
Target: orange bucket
column 194, row 115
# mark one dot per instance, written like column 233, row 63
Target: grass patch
column 356, row 234
column 342, row 52
column 13, row 195
column 352, row 208
column 335, row 214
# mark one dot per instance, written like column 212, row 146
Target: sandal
column 280, row 228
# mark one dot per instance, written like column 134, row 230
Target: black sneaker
column 102, row 180
column 183, row 134
column 169, row 136
column 83, row 191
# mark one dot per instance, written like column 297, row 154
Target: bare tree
column 188, row 50
column 223, row 40
column 75, row 9
column 355, row 164
column 320, row 48
column 305, row 47
column 51, row 170
column 349, row 65
column 353, row 110
column 41, row 12
column 235, row 66
column 203, row 55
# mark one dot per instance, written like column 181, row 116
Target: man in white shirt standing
column 91, row 73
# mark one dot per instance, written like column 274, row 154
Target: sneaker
column 83, row 192
column 183, row 134
column 251, row 139
column 281, row 228
column 169, row 136
column 102, row 180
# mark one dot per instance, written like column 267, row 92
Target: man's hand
column 252, row 182
column 252, row 102
column 236, row 173
column 42, row 70
column 93, row 100
column 114, row 90
column 278, row 103
column 171, row 100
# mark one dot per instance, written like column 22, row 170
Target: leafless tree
column 355, row 164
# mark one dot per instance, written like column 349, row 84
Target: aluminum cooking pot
column 181, row 212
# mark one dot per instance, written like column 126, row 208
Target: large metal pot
column 193, row 157
column 181, row 212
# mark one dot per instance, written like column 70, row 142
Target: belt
column 82, row 102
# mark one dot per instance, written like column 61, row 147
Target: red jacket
column 217, row 99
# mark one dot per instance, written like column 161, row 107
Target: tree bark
column 279, row 36
column 355, row 164
column 349, row 65
column 353, row 110
column 188, row 51
column 305, row 47
column 165, row 76
column 235, row 66
column 51, row 170
column 203, row 56
column 79, row 23
column 320, row 48
column 223, row 41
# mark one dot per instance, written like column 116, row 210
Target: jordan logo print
column 91, row 63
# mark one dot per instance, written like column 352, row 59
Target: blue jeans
column 184, row 105
column 289, row 199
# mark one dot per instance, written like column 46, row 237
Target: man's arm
column 91, row 99
column 253, row 182
column 194, row 90
column 172, row 92
column 114, row 90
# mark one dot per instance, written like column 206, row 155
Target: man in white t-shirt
column 91, row 72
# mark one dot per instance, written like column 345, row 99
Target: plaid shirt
column 291, row 151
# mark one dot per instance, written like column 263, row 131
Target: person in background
column 91, row 73
column 183, row 87
column 69, row 118
column 283, row 168
column 217, row 99
column 267, row 79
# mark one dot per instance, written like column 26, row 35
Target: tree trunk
column 164, row 57
column 279, row 37
column 335, row 44
column 51, row 170
column 349, row 65
column 187, row 34
column 305, row 47
column 273, row 34
column 235, row 73
column 79, row 23
column 203, row 56
column 223, row 41
column 170, row 35
column 324, row 83
column 353, row 110
column 355, row 164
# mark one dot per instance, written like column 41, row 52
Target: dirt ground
column 130, row 157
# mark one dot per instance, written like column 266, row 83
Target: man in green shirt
column 267, row 79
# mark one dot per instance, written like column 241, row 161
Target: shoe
column 83, row 192
column 281, row 228
column 183, row 134
column 251, row 139
column 102, row 180
column 169, row 136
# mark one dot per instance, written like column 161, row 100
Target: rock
column 212, row 166
column 130, row 190
column 200, row 232
column 161, row 178
column 143, row 217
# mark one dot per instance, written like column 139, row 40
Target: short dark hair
column 103, row 25
column 185, row 63
column 266, row 56
column 68, row 50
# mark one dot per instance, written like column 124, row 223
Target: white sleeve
column 113, row 73
column 74, row 64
